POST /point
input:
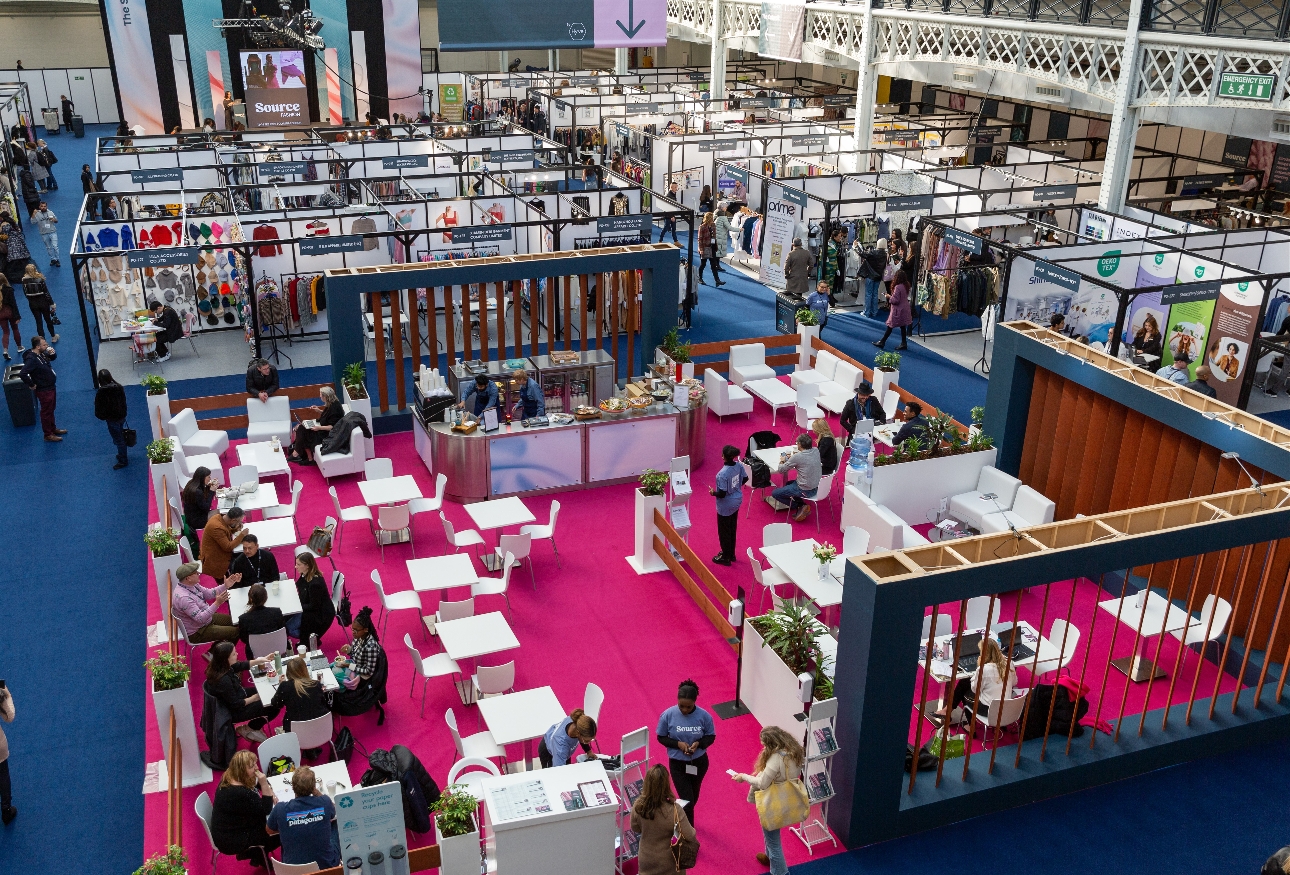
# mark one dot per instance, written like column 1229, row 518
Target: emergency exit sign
column 1246, row 86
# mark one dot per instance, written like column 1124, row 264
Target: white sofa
column 196, row 441
column 1029, row 508
column 825, row 365
column 338, row 464
column 835, row 393
column 725, row 398
column 268, row 419
column 971, row 508
column 748, row 362
column 882, row 524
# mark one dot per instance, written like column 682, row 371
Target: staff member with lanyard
column 557, row 746
column 532, row 401
column 485, row 394
column 687, row 731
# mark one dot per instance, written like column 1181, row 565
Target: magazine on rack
column 594, row 793
column 824, row 740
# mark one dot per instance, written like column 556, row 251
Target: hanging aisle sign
column 404, row 162
column 811, row 140
column 638, row 108
column 162, row 257
column 839, row 99
column 511, row 157
column 909, row 202
column 286, row 168
column 1185, row 293
column 1059, row 276
column 785, row 213
column 622, row 130
column 157, row 174
column 331, row 245
column 1246, row 86
column 638, row 224
column 510, row 25
column 783, row 22
column 718, row 146
column 963, row 240
column 1054, row 192
column 481, row 234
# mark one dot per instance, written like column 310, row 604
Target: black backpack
column 760, row 472
column 384, row 768
column 1065, row 712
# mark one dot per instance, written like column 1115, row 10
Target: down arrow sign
column 632, row 27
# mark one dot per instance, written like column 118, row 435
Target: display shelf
column 629, row 781
column 817, row 773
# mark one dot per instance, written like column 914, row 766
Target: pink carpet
column 594, row 620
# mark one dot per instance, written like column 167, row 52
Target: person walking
column 9, row 317
column 687, row 731
column 708, row 249
column 90, row 190
column 13, row 246
column 729, row 493
column 37, row 374
column 831, row 272
column 900, row 315
column 659, row 821
column 777, row 791
column 669, row 219
column 39, row 300
column 37, row 166
column 47, row 226
column 68, row 108
column 110, row 407
column 46, row 154
column 30, row 193
column 721, row 229
column 797, row 269
column 7, row 713
column 873, row 266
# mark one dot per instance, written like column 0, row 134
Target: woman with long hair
column 36, row 290
column 299, row 694
column 110, row 407
column 705, row 199
column 986, row 685
column 1148, row 340
column 9, row 317
column 901, row 313
column 258, row 618
column 655, row 818
column 242, row 702
column 322, row 419
column 196, row 499
column 708, row 248
column 780, row 761
column 826, row 444
column 317, row 610
column 242, row 802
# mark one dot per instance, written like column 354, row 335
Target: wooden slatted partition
column 715, row 590
column 396, row 334
column 450, row 322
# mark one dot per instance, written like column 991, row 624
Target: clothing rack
column 297, row 315
column 265, row 288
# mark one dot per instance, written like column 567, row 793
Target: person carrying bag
column 777, row 789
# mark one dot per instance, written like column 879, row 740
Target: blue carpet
column 74, row 572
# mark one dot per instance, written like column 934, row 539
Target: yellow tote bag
column 782, row 804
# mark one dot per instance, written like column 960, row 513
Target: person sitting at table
column 258, row 619
column 557, row 747
column 1147, row 341
column 242, row 802
column 197, row 607
column 806, row 462
column 317, row 609
column 253, row 564
column 992, row 668
column 300, row 695
column 197, row 497
column 827, row 446
column 484, row 393
column 915, row 424
column 306, row 439
column 532, row 402
column 169, row 328
column 369, row 670
column 863, row 405
column 243, row 703
column 222, row 533
column 305, row 823
column 261, row 379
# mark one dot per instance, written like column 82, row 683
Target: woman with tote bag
column 776, row 787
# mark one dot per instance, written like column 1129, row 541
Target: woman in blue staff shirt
column 687, row 731
column 730, row 496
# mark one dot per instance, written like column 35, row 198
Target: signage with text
column 1204, row 180
column 157, row 174
column 638, row 108
column 561, row 106
column 276, row 96
column 1058, row 276
column 513, row 25
column 1184, row 293
column 404, row 162
column 582, row 80
column 162, row 257
column 963, row 240
column 755, row 102
column 513, row 156
column 286, row 168
column 811, row 140
column 697, row 77
column 1055, row 192
column 369, row 824
column 482, row 234
column 622, row 130
column 1246, row 86
column 838, row 100
column 908, row 202
column 718, row 146
column 331, row 245
column 898, row 135
column 638, row 224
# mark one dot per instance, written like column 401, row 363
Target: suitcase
column 78, row 126
column 51, row 122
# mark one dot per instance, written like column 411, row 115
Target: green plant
column 455, row 811
column 879, row 461
column 887, row 361
column 169, row 671
column 162, row 541
column 936, row 429
column 653, row 482
column 673, row 347
column 791, row 632
column 980, row 441
column 173, row 862
column 978, row 415
column 160, row 451
column 355, row 379
column 155, row 384
column 911, row 448
column 806, row 316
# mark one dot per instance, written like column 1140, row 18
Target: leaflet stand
column 678, row 503
column 630, row 780
column 817, row 774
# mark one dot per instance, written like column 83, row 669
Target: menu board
column 519, row 800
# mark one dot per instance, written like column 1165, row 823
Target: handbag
column 685, row 851
column 782, row 804
column 131, row 436
column 320, row 541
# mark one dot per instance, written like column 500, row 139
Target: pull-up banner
column 506, row 25
column 131, row 38
column 783, row 22
column 785, row 213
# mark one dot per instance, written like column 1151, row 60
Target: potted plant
column 161, row 467
column 161, row 451
column 938, row 426
column 170, row 675
column 779, row 646
column 173, row 862
column 163, row 543
column 824, row 554
column 158, row 399
column 354, row 395
column 677, row 353
column 457, row 832
column 886, row 372
column 978, row 419
column 649, row 498
column 808, row 327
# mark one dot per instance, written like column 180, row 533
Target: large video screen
column 276, row 95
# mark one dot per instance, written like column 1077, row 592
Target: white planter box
column 644, row 560
column 767, row 686
column 458, row 855
column 363, row 406
column 882, row 381
column 913, row 490
column 160, row 566
column 159, row 472
column 804, row 349
column 195, row 772
column 158, row 404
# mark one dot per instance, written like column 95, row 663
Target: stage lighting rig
column 288, row 30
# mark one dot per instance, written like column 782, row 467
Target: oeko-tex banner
column 136, row 71
column 276, row 96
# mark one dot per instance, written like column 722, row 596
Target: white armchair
column 972, row 507
column 748, row 362
column 183, row 425
column 266, row 420
column 1029, row 508
column 725, row 398
column 186, row 465
column 825, row 364
column 337, row 464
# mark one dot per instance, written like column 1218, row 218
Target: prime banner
column 785, row 214
column 276, row 96
column 506, row 25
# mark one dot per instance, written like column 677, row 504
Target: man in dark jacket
column 37, row 374
column 110, row 407
column 797, row 270
column 392, row 765
column 68, row 108
column 872, row 266
column 861, row 406
column 915, row 423
column 171, row 328
column 88, row 187
column 30, row 193
column 261, row 379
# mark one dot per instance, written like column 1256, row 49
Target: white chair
column 464, row 538
column 823, row 492
column 748, row 362
column 183, row 425
column 1029, row 508
column 394, row 520
column 450, row 611
column 430, row 505
column 1214, row 614
column 855, row 541
column 776, row 533
column 825, row 364
column 592, row 699
column 205, row 809
column 493, row 680
column 186, row 550
column 378, row 469
column 725, row 399
column 269, row 642
column 329, row 523
column 312, row 734
column 351, row 462
column 971, row 507
column 806, row 408
column 546, row 532
column 286, row 744
column 978, row 611
column 496, row 585
column 266, row 420
column 287, row 510
column 752, row 491
column 1005, row 713
column 471, row 772
column 519, row 546
column 480, row 744
column 438, row 665
column 176, row 513
column 239, row 474
column 408, row 600
column 767, row 578
column 349, row 514
column 337, row 592
column 944, row 626
column 281, row 868
column 1066, row 636
column 890, row 403
column 186, row 465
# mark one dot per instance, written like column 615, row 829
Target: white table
column 513, row 718
column 389, row 490
column 337, row 771
column 442, row 572
column 1156, row 615
column 795, row 559
column 886, row 433
column 272, row 533
column 471, row 637
column 265, row 460
column 774, row 393
column 266, row 686
column 1047, row 651
column 286, row 599
column 265, row 496
column 498, row 514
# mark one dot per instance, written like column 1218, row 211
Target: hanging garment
column 266, row 232
column 366, row 225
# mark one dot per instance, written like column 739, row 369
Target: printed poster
column 1233, row 331
column 785, row 210
column 452, row 102
column 1157, row 269
column 1188, row 329
column 1146, row 316
column 131, row 38
column 276, row 95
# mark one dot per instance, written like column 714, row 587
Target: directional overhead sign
column 507, row 25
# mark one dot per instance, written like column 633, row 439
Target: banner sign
column 899, row 135
column 1055, row 192
column 162, row 257
column 1246, row 86
column 908, row 202
column 286, row 168
column 369, row 821
column 838, row 100
column 562, row 106
column 1058, row 276
column 622, row 130
column 1236, row 151
column 718, row 146
column 452, row 102
column 785, row 214
column 638, row 224
column 963, row 240
column 481, row 234
column 157, row 174
column 697, row 77
column 276, row 95
column 511, row 157
column 638, row 108
column 583, row 80
column 1205, row 180
column 1231, row 335
column 1185, row 293
column 405, row 162
column 511, row 25
column 811, row 140
column 131, row 39
column 783, row 23
column 331, row 245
